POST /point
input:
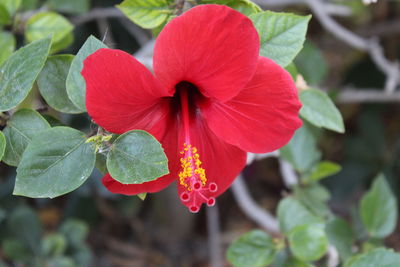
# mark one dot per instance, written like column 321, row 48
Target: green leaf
column 302, row 151
column 306, row 61
column 380, row 257
column 292, row 69
column 29, row 4
column 18, row 73
column 16, row 250
column 11, row 5
column 2, row 144
column 142, row 196
column 54, row 245
column 341, row 236
column 20, row 129
column 7, row 46
column 245, row 7
column 314, row 197
column 147, row 14
column 5, row 17
column 320, row 111
column 61, row 261
column 281, row 34
column 44, row 24
column 63, row 43
column 75, row 231
column 292, row 213
column 308, row 242
column 23, row 225
column 136, row 157
column 378, row 209
column 51, row 83
column 254, row 249
column 322, row 170
column 76, row 86
column 101, row 163
column 69, row 6
column 56, row 162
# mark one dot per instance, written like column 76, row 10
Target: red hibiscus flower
column 211, row 100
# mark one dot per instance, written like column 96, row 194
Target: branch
column 252, row 209
column 371, row 46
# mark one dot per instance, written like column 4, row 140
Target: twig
column 353, row 95
column 252, row 156
column 371, row 46
column 214, row 236
column 95, row 13
column 289, row 175
column 138, row 33
column 251, row 208
column 332, row 257
column 332, row 9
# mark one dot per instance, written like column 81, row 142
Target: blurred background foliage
column 91, row 227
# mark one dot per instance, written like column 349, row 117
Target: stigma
column 192, row 178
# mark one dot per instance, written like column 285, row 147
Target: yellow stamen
column 191, row 168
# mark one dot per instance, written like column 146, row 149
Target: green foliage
column 308, row 242
column 147, row 14
column 292, row 69
column 378, row 209
column 75, row 231
column 253, row 249
column 136, row 157
column 51, row 83
column 20, row 129
column 282, row 35
column 289, row 206
column 341, row 236
column 25, row 228
column 54, row 245
column 302, row 150
column 314, row 197
column 11, row 6
column 18, row 73
column 7, row 46
column 319, row 110
column 379, row 257
column 46, row 24
column 2, row 144
column 76, row 86
column 26, row 244
column 4, row 15
column 307, row 60
column 322, row 170
column 54, row 156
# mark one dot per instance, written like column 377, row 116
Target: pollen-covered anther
column 193, row 178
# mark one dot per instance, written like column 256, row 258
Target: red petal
column 121, row 94
column 212, row 46
column 133, row 189
column 222, row 162
column 263, row 117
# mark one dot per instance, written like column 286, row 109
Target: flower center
column 192, row 176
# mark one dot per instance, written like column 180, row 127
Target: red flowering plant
column 211, row 100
